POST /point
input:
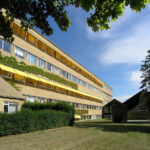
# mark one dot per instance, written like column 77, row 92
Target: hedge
column 59, row 106
column 119, row 113
column 12, row 62
column 29, row 121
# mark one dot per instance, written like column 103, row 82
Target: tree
column 145, row 68
column 37, row 12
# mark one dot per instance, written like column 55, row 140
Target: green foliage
column 35, row 12
column 145, row 68
column 29, row 121
column 119, row 113
column 59, row 106
column 13, row 84
column 12, row 62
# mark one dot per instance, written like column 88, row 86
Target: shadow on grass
column 116, row 127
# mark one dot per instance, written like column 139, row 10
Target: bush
column 59, row 106
column 119, row 113
column 28, row 120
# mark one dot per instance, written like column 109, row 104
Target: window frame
column 8, row 104
column 19, row 49
column 30, row 60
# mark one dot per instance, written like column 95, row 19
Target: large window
column 49, row 67
column 31, row 59
column 41, row 100
column 5, row 46
column 41, row 63
column 0, row 43
column 84, row 84
column 81, row 82
column 73, row 78
column 77, row 80
column 57, row 70
column 10, row 107
column 31, row 99
column 63, row 73
column 69, row 76
column 19, row 52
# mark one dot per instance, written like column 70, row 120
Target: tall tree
column 36, row 12
column 145, row 68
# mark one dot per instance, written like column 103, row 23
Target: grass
column 88, row 135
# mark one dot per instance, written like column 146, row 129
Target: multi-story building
column 55, row 75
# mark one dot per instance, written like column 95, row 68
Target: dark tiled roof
column 7, row 91
column 111, row 102
column 133, row 101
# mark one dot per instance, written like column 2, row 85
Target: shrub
column 119, row 113
column 28, row 120
column 59, row 106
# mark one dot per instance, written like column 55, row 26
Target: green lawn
column 88, row 135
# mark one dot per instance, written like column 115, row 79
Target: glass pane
column 0, row 43
column 19, row 52
column 6, row 108
column 32, row 59
column 12, row 108
column 41, row 100
column 77, row 80
column 69, row 76
column 7, row 47
column 63, row 74
column 73, row 78
column 84, row 83
column 57, row 70
column 81, row 82
column 50, row 67
column 41, row 63
column 30, row 99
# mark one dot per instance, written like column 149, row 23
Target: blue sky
column 114, row 55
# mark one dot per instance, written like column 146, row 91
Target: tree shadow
column 116, row 127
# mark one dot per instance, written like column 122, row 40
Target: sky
column 114, row 55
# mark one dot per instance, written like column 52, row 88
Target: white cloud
column 128, row 49
column 123, row 98
column 135, row 76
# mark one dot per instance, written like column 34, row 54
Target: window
column 19, row 52
column 69, row 76
column 87, row 85
column 49, row 100
column 73, row 78
column 57, row 70
column 7, row 47
column 41, row 100
column 84, row 83
column 31, row 99
column 41, row 63
column 0, row 43
column 63, row 73
column 49, row 67
column 10, row 107
column 77, row 80
column 81, row 82
column 31, row 58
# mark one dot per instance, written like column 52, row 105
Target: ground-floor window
column 10, row 107
column 31, row 99
column 41, row 100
